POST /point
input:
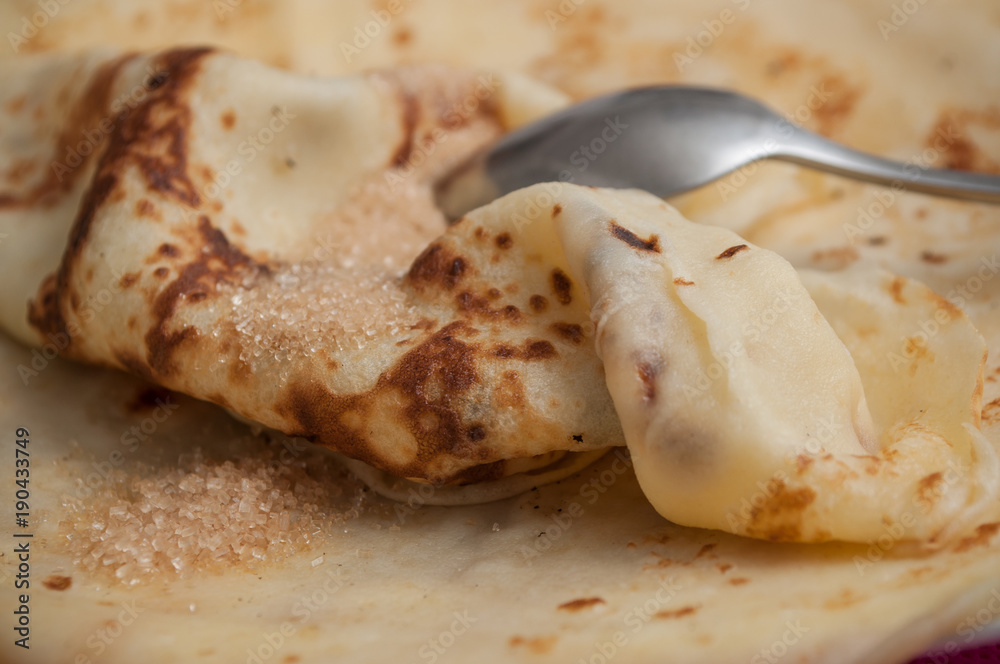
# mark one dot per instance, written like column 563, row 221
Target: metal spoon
column 671, row 139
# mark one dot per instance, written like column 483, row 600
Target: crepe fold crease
column 268, row 242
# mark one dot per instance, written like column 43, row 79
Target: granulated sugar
column 199, row 514
column 307, row 308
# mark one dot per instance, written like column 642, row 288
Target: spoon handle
column 809, row 149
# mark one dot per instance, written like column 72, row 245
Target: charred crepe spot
column 928, row 491
column 981, row 537
column 429, row 380
column 556, row 209
column 91, row 108
column 16, row 105
column 228, row 119
column 437, row 266
column 842, row 96
column 723, row 567
column 916, row 349
column 504, row 241
column 837, row 257
column 878, row 240
column 991, row 412
column 161, row 272
column 44, row 312
column 143, row 208
column 731, row 251
column 933, row 258
column 779, row 519
column 128, row 279
column 539, row 645
column 580, row 604
column 538, row 303
column 677, row 613
column 738, row 581
column 705, row 550
column 802, row 463
column 509, row 392
column 950, row 136
column 562, row 286
column 57, row 582
column 539, row 350
column 504, row 351
column 486, row 472
column 494, row 293
column 785, row 62
column 944, row 304
column 648, row 370
column 569, row 332
column 531, row 350
column 148, row 398
column 633, row 240
column 844, row 599
column 480, row 233
column 896, row 289
column 402, row 37
column 476, row 304
column 409, row 116
column 578, row 437
column 681, row 281
column 872, row 465
column 218, row 262
column 152, row 138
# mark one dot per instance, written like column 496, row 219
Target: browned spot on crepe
column 731, row 251
column 580, row 604
column 631, row 239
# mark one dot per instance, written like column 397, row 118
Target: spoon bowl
column 672, row 139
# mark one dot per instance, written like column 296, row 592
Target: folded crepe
column 268, row 242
